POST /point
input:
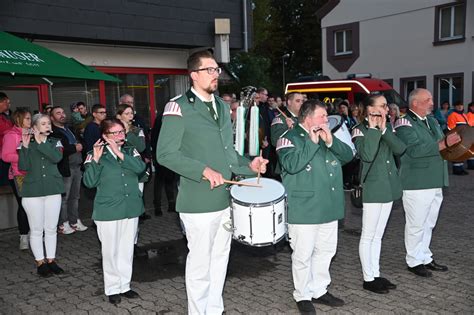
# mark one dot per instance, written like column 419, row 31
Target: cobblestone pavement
column 259, row 279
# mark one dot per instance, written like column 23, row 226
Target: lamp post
column 283, row 58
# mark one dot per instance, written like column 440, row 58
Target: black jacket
column 63, row 165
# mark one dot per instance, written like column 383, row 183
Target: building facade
column 144, row 43
column 409, row 44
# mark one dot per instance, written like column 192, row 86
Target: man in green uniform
column 280, row 124
column 196, row 142
column 423, row 173
column 311, row 160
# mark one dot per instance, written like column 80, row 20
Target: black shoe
column 158, row 212
column 306, row 307
column 389, row 285
column 171, row 207
column 115, row 299
column 436, row 267
column 55, row 268
column 375, row 286
column 139, row 252
column 145, row 216
column 44, row 271
column 460, row 172
column 329, row 300
column 130, row 294
column 421, row 271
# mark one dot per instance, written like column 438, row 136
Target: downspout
column 245, row 33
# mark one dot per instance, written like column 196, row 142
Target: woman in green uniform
column 113, row 168
column 376, row 144
column 41, row 191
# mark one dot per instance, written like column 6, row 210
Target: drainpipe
column 246, row 42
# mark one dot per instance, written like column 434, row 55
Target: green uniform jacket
column 383, row 182
column 190, row 139
column 136, row 138
column 422, row 166
column 40, row 161
column 279, row 126
column 118, row 196
column 312, row 176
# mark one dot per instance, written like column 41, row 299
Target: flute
column 104, row 144
column 32, row 132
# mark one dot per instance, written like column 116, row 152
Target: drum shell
column 463, row 150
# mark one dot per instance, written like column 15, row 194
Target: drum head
column 335, row 122
column 271, row 190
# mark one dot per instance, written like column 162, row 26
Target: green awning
column 22, row 62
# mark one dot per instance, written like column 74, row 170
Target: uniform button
column 225, row 147
column 332, row 188
column 44, row 175
column 43, row 166
column 390, row 173
column 42, row 158
column 327, row 161
column 125, row 185
column 230, row 165
column 388, row 162
column 330, row 174
column 126, row 195
column 123, row 174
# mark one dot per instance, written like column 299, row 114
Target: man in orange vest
column 470, row 120
column 457, row 118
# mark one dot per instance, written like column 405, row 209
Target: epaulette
column 356, row 132
column 172, row 109
column 284, row 143
column 402, row 122
column 277, row 120
column 89, row 158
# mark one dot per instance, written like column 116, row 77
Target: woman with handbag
column 376, row 144
column 41, row 191
column 11, row 142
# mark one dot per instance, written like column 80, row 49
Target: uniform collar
column 419, row 117
column 201, row 97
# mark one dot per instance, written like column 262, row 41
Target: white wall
column 401, row 45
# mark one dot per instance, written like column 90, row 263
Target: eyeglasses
column 116, row 133
column 210, row 70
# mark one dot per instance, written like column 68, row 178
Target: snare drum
column 258, row 214
column 340, row 131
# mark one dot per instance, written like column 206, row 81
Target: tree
column 281, row 27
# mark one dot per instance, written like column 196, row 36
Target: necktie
column 211, row 110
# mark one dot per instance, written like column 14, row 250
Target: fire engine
column 355, row 88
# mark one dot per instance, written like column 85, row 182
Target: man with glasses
column 196, row 142
column 92, row 131
column 70, row 169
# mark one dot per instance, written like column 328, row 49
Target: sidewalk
column 259, row 279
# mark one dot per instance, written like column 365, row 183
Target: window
column 450, row 88
column 450, row 23
column 167, row 87
column 409, row 84
column 343, row 42
column 66, row 93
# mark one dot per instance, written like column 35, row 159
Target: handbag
column 356, row 193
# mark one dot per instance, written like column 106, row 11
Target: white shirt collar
column 419, row 117
column 201, row 97
column 303, row 128
column 111, row 152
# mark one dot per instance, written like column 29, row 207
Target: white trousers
column 43, row 215
column 421, row 213
column 117, row 238
column 374, row 221
column 313, row 246
column 206, row 264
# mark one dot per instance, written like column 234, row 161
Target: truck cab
column 355, row 88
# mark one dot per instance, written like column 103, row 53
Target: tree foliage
column 281, row 27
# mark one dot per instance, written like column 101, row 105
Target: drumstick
column 231, row 182
column 282, row 113
column 259, row 170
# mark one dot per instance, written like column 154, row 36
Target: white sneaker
column 65, row 228
column 79, row 226
column 24, row 242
